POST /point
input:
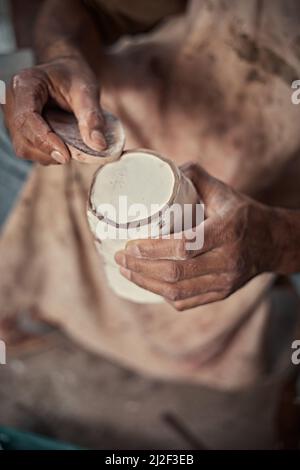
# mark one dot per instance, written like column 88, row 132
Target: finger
column 85, row 103
column 181, row 290
column 172, row 248
column 41, row 137
column 180, row 246
column 197, row 301
column 172, row 271
column 26, row 151
column 144, row 282
column 29, row 95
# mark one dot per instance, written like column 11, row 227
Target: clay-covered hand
column 70, row 84
column 237, row 246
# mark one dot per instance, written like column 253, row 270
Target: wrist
column 282, row 241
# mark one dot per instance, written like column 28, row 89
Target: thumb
column 85, row 103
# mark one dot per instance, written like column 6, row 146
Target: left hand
column 237, row 247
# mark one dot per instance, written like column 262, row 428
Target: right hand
column 71, row 84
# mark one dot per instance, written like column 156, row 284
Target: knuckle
column 194, row 167
column 23, row 77
column 90, row 118
column 33, row 80
column 233, row 261
column 40, row 141
column 228, row 287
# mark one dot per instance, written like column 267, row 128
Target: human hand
column 70, row 84
column 237, row 246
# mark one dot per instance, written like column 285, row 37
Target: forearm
column 66, row 29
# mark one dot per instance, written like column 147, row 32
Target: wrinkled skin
column 236, row 248
column 71, row 85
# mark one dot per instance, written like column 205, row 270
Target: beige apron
column 213, row 85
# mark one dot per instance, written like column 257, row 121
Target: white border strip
column 7, row 35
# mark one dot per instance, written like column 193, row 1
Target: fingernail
column 125, row 272
column 133, row 250
column 98, row 138
column 59, row 157
column 120, row 258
